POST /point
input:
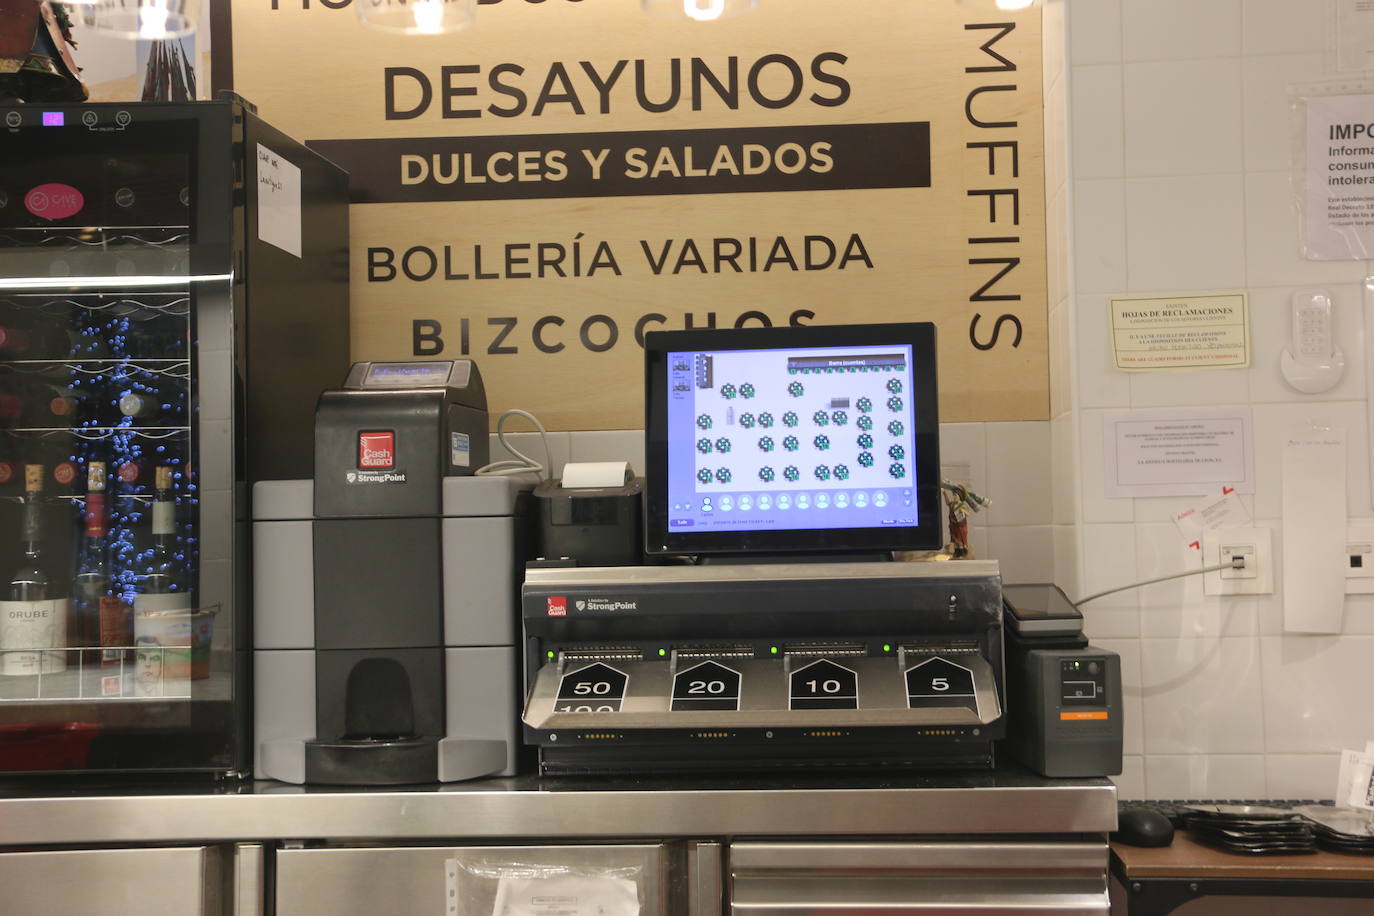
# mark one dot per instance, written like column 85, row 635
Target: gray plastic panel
column 479, row 582
column 283, row 585
column 283, row 499
column 481, row 697
column 283, row 713
column 465, row 496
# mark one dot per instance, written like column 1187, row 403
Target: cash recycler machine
column 786, row 665
column 385, row 589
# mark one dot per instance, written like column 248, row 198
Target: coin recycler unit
column 385, row 589
column 763, row 666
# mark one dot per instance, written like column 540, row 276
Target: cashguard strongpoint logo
column 558, row 606
column 377, row 451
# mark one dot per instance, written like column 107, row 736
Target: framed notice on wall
column 538, row 191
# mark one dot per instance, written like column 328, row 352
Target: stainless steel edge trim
column 705, row 889
column 979, row 803
column 1066, row 858
column 250, row 888
column 642, row 575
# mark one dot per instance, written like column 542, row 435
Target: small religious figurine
column 962, row 503
column 36, row 63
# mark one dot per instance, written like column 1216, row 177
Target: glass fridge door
column 112, row 657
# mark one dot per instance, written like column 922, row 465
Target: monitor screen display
column 790, row 439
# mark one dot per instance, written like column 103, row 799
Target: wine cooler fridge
column 173, row 299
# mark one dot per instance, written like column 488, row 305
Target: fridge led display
column 53, row 119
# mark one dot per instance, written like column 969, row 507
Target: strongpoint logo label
column 54, row 201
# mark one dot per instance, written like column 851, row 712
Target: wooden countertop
column 1186, row 858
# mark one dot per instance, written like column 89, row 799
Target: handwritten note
column 279, row 201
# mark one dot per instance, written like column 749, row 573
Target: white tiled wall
column 1178, row 161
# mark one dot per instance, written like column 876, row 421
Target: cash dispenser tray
column 734, row 692
column 855, row 665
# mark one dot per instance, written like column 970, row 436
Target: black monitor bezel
column 926, row 535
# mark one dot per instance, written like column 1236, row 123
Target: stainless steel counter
column 1001, row 802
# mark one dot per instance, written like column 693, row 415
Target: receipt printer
column 384, row 590
column 1063, row 695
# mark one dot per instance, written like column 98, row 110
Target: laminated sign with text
column 540, row 190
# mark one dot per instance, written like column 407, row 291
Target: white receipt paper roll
column 588, row 474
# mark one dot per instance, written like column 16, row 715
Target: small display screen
column 408, row 375
column 53, row 119
column 793, row 439
column 816, row 437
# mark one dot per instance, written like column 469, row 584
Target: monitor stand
column 741, row 559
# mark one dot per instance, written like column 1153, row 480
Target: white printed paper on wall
column 279, row 201
column 1178, row 452
column 1338, row 220
column 1181, row 332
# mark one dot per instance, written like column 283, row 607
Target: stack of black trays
column 1250, row 829
column 1340, row 829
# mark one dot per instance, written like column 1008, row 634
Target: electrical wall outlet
column 1255, row 546
column 1359, row 560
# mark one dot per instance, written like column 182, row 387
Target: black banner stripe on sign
column 635, row 163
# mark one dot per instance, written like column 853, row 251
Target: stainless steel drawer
column 797, row 879
column 149, row 882
column 414, row 879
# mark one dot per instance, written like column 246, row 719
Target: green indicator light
column 773, row 650
column 662, row 652
column 550, row 653
column 886, row 647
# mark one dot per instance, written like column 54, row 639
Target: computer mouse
column 1143, row 827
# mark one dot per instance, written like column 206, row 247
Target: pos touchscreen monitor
column 817, row 439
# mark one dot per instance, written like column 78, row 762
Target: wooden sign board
column 537, row 191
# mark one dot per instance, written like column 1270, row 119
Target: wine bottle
column 164, row 575
column 35, row 339
column 155, row 403
column 30, row 581
column 92, row 580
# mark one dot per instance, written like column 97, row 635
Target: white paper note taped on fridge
column 1314, row 530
